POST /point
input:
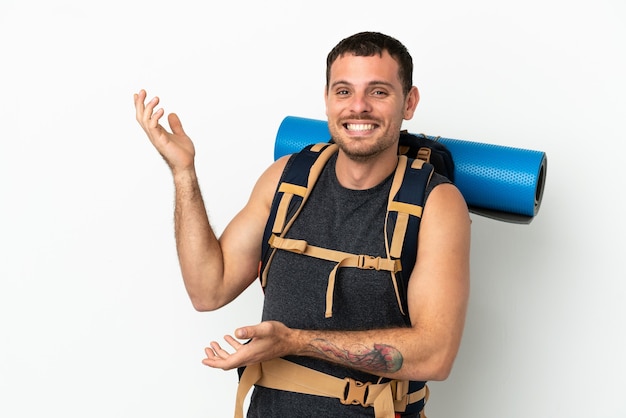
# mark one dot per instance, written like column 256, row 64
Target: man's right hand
column 176, row 147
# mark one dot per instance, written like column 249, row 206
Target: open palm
column 176, row 147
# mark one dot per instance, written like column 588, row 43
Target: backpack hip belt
column 386, row 398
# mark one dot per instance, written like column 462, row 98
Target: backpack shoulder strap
column 404, row 214
column 404, row 210
column 293, row 190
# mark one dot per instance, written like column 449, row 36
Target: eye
column 342, row 92
column 379, row 93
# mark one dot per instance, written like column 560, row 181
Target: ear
column 410, row 103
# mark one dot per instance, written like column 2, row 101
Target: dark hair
column 367, row 44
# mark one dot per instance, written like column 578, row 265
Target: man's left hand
column 267, row 340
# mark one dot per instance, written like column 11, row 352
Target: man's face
column 365, row 105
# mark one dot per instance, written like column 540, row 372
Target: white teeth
column 359, row 126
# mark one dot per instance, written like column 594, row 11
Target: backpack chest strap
column 343, row 259
column 366, row 262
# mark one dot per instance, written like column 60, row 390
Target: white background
column 94, row 319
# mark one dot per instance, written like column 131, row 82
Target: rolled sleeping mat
column 499, row 182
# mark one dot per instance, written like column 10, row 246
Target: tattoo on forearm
column 381, row 358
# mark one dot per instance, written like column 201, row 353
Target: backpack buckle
column 367, row 262
column 355, row 392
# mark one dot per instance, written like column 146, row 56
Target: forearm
column 399, row 353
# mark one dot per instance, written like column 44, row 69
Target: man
column 367, row 339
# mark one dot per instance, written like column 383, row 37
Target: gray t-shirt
column 346, row 220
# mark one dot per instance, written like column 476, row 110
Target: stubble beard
column 359, row 152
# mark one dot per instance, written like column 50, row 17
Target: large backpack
column 419, row 157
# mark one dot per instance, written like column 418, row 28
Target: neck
column 365, row 174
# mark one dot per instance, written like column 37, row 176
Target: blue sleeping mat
column 499, row 182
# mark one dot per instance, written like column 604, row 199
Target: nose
column 360, row 103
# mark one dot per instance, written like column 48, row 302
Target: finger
column 145, row 114
column 175, row 124
column 211, row 357
column 233, row 342
column 149, row 109
column 244, row 332
column 210, row 354
column 154, row 119
column 260, row 330
column 219, row 351
column 139, row 104
column 216, row 363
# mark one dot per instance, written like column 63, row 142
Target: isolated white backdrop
column 94, row 320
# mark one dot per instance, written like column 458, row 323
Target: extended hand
column 175, row 147
column 268, row 340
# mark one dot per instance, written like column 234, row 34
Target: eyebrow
column 371, row 83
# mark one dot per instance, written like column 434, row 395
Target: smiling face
column 365, row 105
